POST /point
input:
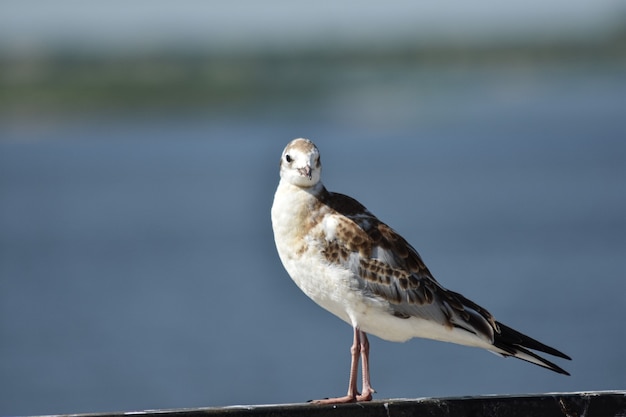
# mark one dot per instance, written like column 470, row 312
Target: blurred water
column 137, row 266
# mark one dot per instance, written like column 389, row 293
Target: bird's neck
column 294, row 206
column 316, row 191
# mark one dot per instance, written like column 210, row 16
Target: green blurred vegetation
column 58, row 81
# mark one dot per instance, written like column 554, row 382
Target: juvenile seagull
column 362, row 271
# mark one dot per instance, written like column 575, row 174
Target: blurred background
column 139, row 148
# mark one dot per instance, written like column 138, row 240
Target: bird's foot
column 366, row 396
column 338, row 400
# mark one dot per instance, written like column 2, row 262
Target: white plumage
column 358, row 268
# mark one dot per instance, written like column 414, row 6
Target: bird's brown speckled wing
column 387, row 267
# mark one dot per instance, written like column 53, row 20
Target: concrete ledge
column 577, row 404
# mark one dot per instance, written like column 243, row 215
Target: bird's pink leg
column 355, row 351
column 367, row 390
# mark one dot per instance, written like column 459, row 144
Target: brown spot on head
column 301, row 144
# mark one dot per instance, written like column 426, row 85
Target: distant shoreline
column 66, row 80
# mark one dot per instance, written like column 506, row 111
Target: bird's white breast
column 299, row 221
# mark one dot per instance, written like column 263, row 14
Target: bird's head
column 300, row 163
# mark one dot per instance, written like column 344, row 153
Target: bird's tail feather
column 513, row 343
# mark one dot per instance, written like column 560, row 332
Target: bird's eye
column 288, row 158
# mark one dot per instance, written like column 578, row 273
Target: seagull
column 358, row 268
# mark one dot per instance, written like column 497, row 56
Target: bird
column 361, row 270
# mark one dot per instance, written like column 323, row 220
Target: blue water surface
column 138, row 270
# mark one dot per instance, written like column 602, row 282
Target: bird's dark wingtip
column 518, row 344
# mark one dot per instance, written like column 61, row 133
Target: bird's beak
column 306, row 171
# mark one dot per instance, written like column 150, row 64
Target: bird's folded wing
column 387, row 267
